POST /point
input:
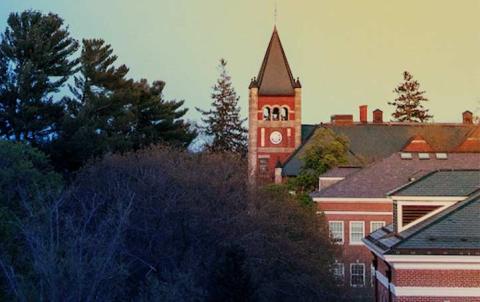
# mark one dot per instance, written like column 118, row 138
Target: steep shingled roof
column 275, row 76
column 381, row 177
column 443, row 183
column 454, row 231
column 371, row 142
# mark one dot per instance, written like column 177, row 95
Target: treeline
column 107, row 112
column 146, row 220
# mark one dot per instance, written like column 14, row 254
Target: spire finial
column 276, row 13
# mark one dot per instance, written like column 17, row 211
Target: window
column 336, row 231
column 339, row 271
column 372, row 275
column 284, row 114
column 406, row 155
column 423, row 156
column 357, row 232
column 266, row 114
column 263, row 165
column 357, row 274
column 375, row 225
column 275, row 114
column 442, row 156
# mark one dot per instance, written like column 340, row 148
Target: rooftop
column 443, row 183
column 381, row 177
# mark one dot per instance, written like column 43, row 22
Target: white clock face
column 276, row 137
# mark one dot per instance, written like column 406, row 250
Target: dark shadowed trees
column 111, row 113
column 35, row 61
column 165, row 225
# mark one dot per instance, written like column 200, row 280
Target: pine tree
column 35, row 61
column 110, row 113
column 408, row 104
column 223, row 122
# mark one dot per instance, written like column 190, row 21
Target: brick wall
column 437, row 278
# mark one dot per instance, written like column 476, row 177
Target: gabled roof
column 471, row 142
column 275, row 76
column 372, row 142
column 381, row 177
column 454, row 231
column 417, row 144
column 443, row 183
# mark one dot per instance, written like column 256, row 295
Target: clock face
column 276, row 137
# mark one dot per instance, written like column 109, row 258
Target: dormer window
column 441, row 156
column 405, row 155
column 423, row 156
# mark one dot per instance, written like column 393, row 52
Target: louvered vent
column 412, row 213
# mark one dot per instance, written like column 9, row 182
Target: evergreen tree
column 223, row 122
column 408, row 104
column 35, row 61
column 110, row 113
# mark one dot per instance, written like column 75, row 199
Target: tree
column 35, row 61
column 408, row 104
column 26, row 179
column 167, row 225
column 223, row 123
column 110, row 113
column 326, row 150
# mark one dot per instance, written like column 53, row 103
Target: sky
column 346, row 52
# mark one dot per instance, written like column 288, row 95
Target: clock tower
column 274, row 117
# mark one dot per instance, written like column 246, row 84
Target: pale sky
column 346, row 52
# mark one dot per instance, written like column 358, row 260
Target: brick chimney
column 378, row 116
column 363, row 114
column 467, row 117
column 341, row 119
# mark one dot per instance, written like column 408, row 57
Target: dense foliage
column 408, row 104
column 222, row 123
column 325, row 151
column 107, row 113
column 165, row 225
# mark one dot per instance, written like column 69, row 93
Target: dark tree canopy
column 35, row 61
column 110, row 113
column 222, row 123
column 408, row 104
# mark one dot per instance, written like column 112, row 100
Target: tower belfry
column 274, row 113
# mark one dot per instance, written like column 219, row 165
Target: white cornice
column 354, row 213
column 352, row 200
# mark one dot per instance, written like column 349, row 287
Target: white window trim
column 351, row 274
column 350, row 232
column 372, row 222
column 343, row 230
column 342, row 265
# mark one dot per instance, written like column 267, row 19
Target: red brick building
column 431, row 252
column 355, row 203
column 278, row 139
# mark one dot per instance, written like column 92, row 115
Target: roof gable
column 471, row 142
column 417, row 144
column 275, row 76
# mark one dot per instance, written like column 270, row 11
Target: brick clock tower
column 274, row 113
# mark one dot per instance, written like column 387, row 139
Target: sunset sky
column 346, row 52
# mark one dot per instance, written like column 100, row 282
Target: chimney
column 341, row 119
column 378, row 116
column 467, row 117
column 363, row 114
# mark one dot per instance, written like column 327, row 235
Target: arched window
column 276, row 114
column 284, row 114
column 266, row 114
